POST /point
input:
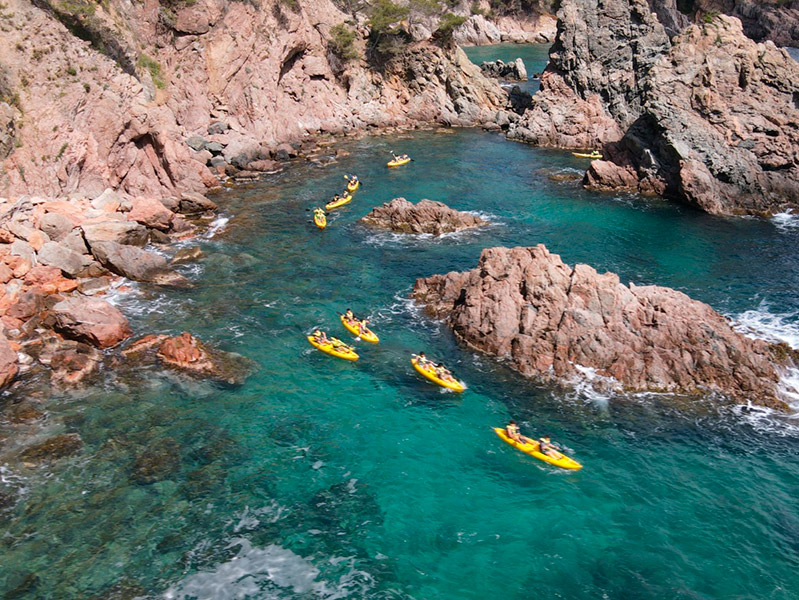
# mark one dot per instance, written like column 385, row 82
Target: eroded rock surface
column 427, row 216
column 91, row 320
column 513, row 71
column 549, row 320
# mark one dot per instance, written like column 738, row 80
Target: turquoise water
column 321, row 478
column 535, row 57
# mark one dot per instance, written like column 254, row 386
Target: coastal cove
column 321, row 478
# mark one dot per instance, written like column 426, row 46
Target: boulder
column 72, row 364
column 29, row 303
column 108, row 201
column 121, row 232
column 135, row 263
column 192, row 203
column 549, row 320
column 427, row 216
column 151, row 213
column 91, row 320
column 56, row 226
column 58, row 255
column 8, row 362
column 58, row 446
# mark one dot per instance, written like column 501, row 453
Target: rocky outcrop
column 719, row 129
column 533, row 27
column 708, row 118
column 551, row 321
column 8, row 362
column 426, row 216
column 591, row 90
column 512, row 71
column 91, row 320
column 137, row 264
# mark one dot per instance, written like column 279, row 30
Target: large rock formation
column 710, row 118
column 550, row 321
column 426, row 216
column 91, row 320
column 591, row 89
column 513, row 71
column 719, row 129
column 233, row 78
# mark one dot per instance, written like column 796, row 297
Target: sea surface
column 534, row 56
column 325, row 479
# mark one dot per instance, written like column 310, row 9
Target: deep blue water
column 321, row 478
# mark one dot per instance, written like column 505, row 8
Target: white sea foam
column 390, row 238
column 217, row 225
column 588, row 385
column 786, row 221
column 761, row 323
column 256, row 572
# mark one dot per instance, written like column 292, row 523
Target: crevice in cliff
column 291, row 59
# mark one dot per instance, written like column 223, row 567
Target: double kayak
column 429, row 372
column 562, row 461
column 353, row 185
column 334, row 348
column 593, row 155
column 340, row 202
column 354, row 328
column 399, row 161
column 319, row 219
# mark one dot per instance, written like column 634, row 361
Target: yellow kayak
column 320, row 219
column 398, row 162
column 353, row 328
column 593, row 155
column 340, row 202
column 429, row 373
column 341, row 350
column 351, row 187
column 532, row 449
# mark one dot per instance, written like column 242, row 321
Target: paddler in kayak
column 422, row 360
column 320, row 337
column 546, row 446
column 512, row 429
column 443, row 373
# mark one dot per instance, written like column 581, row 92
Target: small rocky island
column 550, row 320
column 427, row 216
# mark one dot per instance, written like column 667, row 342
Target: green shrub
column 154, row 69
column 447, row 25
column 342, row 42
column 710, row 16
column 384, row 14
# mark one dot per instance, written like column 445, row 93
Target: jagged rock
column 58, row 255
column 137, row 264
column 8, row 362
column 477, row 31
column 719, row 129
column 591, row 89
column 513, row 70
column 91, row 320
column 58, row 446
column 217, row 127
column 129, row 233
column 72, row 364
column 185, row 255
column 550, row 320
column 157, row 462
column 8, row 130
column 427, row 216
column 195, row 204
column 188, row 354
column 196, row 142
column 519, row 100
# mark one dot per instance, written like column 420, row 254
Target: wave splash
column 263, row 572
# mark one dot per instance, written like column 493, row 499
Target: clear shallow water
column 535, row 57
column 321, row 478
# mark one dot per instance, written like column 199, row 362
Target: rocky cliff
column 708, row 118
column 552, row 321
column 105, row 95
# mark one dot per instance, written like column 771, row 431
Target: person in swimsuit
column 512, row 429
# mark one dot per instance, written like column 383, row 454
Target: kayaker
column 444, row 373
column 512, row 429
column 321, row 337
column 349, row 315
column 422, row 361
column 362, row 328
column 545, row 446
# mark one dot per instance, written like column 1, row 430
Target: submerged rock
column 188, row 354
column 552, row 321
column 157, row 462
column 58, row 446
column 427, row 216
